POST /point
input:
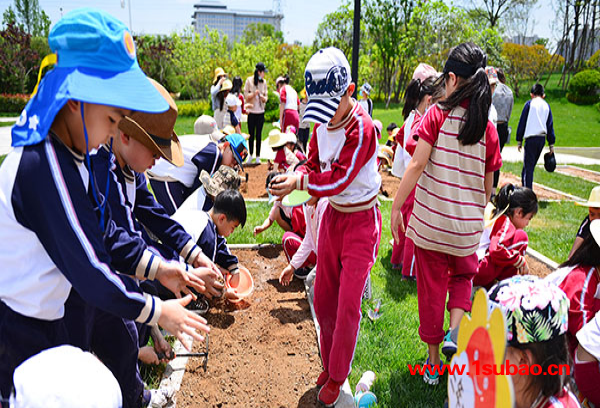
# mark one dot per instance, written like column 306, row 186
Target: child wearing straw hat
column 284, row 145
column 52, row 210
column 593, row 204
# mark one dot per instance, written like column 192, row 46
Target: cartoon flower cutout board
column 481, row 343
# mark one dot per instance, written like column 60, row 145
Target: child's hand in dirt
column 231, row 295
column 213, row 280
column 283, row 184
column 286, row 275
column 147, row 355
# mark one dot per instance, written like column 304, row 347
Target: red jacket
column 581, row 287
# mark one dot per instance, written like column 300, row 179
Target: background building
column 215, row 15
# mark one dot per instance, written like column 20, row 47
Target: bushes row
column 194, row 109
column 584, row 87
column 13, row 103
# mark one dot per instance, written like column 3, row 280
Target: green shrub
column 584, row 87
column 598, row 106
column 194, row 109
column 13, row 103
column 594, row 61
column 272, row 107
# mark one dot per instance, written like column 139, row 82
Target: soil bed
column 257, row 174
column 262, row 352
column 536, row 267
column 579, row 172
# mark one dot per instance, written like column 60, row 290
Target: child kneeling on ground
column 514, row 207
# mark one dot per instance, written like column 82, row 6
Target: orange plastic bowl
column 243, row 288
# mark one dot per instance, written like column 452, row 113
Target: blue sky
column 301, row 17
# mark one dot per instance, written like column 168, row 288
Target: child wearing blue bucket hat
column 52, row 214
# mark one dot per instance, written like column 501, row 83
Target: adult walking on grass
column 535, row 126
column 255, row 93
column 503, row 101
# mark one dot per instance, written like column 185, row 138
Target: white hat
column 65, row 377
column 232, row 100
column 207, row 125
column 327, row 77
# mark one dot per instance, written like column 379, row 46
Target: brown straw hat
column 155, row 131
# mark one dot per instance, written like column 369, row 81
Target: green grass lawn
column 2, row 157
column 571, row 185
column 594, row 167
column 574, row 125
column 6, row 124
column 552, row 231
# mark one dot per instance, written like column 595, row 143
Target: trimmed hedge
column 584, row 87
column 194, row 109
column 13, row 103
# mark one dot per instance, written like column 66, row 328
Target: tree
column 493, row 10
column 336, row 30
column 155, row 56
column 255, row 32
column 524, row 62
column 386, row 22
column 18, row 61
column 28, row 15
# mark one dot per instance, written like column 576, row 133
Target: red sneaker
column 330, row 392
column 323, row 377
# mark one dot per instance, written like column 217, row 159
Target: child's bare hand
column 147, row 355
column 258, row 229
column 174, row 277
column 178, row 321
column 524, row 269
column 283, row 184
column 397, row 222
column 163, row 348
column 286, row 275
column 203, row 261
column 212, row 280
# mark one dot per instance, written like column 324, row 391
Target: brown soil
column 257, row 174
column 536, row 267
column 541, row 192
column 263, row 352
column 579, row 172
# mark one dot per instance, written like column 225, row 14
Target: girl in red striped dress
column 452, row 167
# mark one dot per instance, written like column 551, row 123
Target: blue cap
column 96, row 64
column 239, row 144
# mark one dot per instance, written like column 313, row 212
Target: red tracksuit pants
column 347, row 248
column 437, row 274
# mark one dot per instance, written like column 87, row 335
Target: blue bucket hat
column 96, row 63
column 239, row 146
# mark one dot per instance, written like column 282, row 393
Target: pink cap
column 424, row 71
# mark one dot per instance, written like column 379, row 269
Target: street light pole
column 123, row 6
column 355, row 44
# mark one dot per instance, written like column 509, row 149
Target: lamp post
column 129, row 6
column 355, row 44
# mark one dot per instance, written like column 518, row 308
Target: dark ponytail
column 587, row 254
column 468, row 62
column 416, row 91
column 256, row 78
column 513, row 197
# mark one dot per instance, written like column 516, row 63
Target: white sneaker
column 257, row 160
column 248, row 160
column 162, row 397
